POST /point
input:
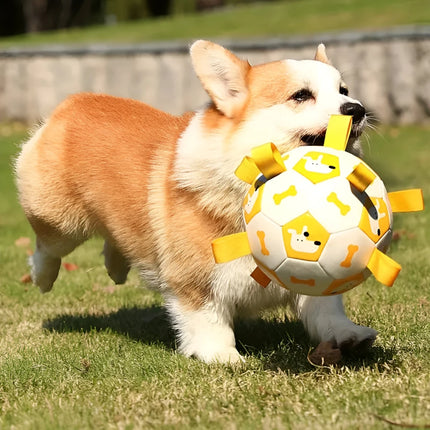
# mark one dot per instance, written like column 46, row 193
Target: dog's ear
column 223, row 75
column 321, row 55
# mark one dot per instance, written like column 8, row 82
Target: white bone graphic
column 317, row 166
column 301, row 243
column 374, row 217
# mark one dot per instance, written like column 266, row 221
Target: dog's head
column 286, row 102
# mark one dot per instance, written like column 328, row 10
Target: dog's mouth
column 314, row 139
column 319, row 138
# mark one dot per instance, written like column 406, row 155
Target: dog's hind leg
column 116, row 264
column 51, row 246
column 44, row 267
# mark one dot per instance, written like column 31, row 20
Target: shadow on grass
column 285, row 346
column 279, row 345
column 147, row 325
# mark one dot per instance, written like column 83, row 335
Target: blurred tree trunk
column 158, row 7
column 208, row 4
column 42, row 15
column 12, row 19
column 39, row 14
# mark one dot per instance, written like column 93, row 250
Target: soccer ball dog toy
column 318, row 220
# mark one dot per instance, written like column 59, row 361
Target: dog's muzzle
column 358, row 113
column 356, row 110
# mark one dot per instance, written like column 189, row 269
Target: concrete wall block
column 305, row 52
column 15, row 89
column 121, row 75
column 402, row 60
column 195, row 96
column 422, row 88
column 291, row 54
column 93, row 74
column 147, row 70
column 344, row 57
column 171, row 89
column 373, row 85
column 41, row 97
column 67, row 76
column 255, row 57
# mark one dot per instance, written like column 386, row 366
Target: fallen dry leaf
column 325, row 354
column 23, row 242
column 70, row 266
column 402, row 233
column 25, row 279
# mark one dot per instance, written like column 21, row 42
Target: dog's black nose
column 356, row 110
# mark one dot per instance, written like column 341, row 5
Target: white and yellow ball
column 318, row 220
column 309, row 229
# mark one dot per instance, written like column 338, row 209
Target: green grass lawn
column 90, row 355
column 288, row 17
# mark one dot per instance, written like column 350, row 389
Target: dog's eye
column 302, row 95
column 344, row 91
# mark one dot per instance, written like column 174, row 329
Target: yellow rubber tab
column 338, row 130
column 259, row 276
column 268, row 160
column 383, row 268
column 230, row 247
column 406, row 200
column 247, row 170
column 361, row 177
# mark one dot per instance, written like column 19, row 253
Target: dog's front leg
column 205, row 333
column 325, row 320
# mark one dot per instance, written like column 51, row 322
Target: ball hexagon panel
column 348, row 162
column 346, row 253
column 265, row 241
column 271, row 274
column 304, row 277
column 376, row 218
column 304, row 238
column 340, row 286
column 292, row 157
column 318, row 166
column 285, row 197
column 334, row 206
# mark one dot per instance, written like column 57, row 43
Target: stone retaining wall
column 389, row 71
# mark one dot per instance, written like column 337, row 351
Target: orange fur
column 95, row 159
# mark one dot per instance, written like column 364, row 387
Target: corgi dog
column 159, row 188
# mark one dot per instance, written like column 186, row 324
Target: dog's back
column 90, row 164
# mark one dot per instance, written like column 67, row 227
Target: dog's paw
column 228, row 355
column 44, row 271
column 354, row 338
column 116, row 264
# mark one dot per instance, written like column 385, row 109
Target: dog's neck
column 202, row 164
